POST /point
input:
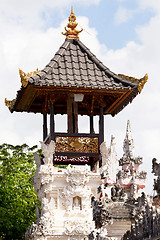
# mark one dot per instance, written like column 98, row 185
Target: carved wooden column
column 91, row 132
column 72, row 114
column 91, row 125
column 101, row 126
column 101, row 131
column 69, row 114
column 52, row 125
column 45, row 130
column 75, row 117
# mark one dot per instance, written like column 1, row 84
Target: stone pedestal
column 65, row 196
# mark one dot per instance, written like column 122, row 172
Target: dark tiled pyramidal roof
column 75, row 66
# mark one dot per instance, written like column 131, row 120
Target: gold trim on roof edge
column 9, row 103
column 71, row 31
column 24, row 76
column 141, row 82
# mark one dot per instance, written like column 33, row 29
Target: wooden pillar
column 45, row 133
column 91, row 125
column 101, row 131
column 72, row 115
column 52, row 126
column 75, row 120
column 91, row 132
column 101, row 126
column 69, row 114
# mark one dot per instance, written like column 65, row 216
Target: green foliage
column 61, row 166
column 17, row 197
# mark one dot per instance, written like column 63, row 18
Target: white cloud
column 121, row 0
column 122, row 15
column 34, row 14
column 152, row 5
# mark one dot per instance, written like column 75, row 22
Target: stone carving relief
column 77, row 203
column 128, row 145
column 36, row 180
column 78, row 227
column 117, row 193
column 76, row 198
column 77, row 176
column 145, row 221
column 129, row 177
column 156, row 171
column 43, row 187
column 100, row 235
column 109, row 162
column 155, row 167
column 104, row 153
column 44, row 225
column 48, row 152
column 70, row 192
column 44, row 174
column 41, row 228
column 101, row 211
column 145, row 215
column 76, row 195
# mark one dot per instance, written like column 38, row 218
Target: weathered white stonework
column 65, row 196
column 109, row 167
column 78, row 204
column 109, row 162
column 130, row 177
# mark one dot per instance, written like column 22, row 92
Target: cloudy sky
column 123, row 34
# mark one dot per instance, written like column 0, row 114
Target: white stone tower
column 130, row 177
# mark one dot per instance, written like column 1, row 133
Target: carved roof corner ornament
column 71, row 31
column 24, row 76
column 9, row 103
column 140, row 81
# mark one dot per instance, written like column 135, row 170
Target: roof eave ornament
column 71, row 31
column 24, row 76
column 9, row 103
column 141, row 82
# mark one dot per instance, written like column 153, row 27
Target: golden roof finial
column 71, row 31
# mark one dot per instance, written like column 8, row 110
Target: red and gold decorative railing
column 73, row 144
column 75, row 147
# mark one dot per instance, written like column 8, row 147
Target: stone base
column 118, row 228
column 60, row 237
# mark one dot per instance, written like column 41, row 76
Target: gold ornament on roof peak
column 71, row 31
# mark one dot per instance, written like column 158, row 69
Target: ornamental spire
column 71, row 31
column 128, row 145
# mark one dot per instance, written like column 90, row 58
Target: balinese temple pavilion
column 74, row 82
